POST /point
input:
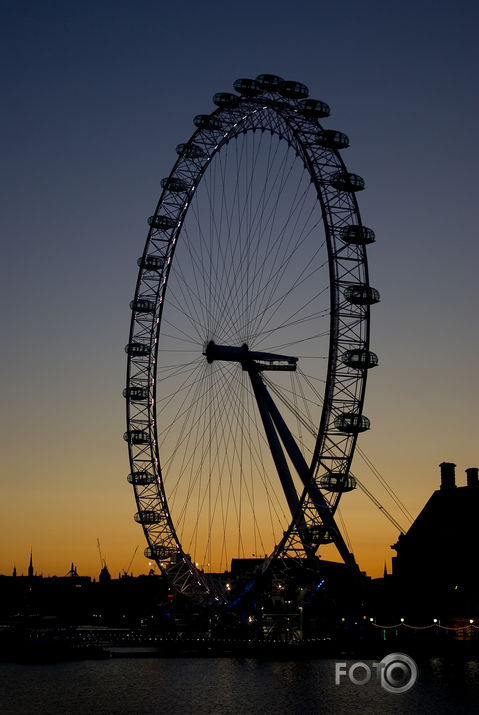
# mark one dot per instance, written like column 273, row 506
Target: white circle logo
column 398, row 673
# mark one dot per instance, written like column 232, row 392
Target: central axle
column 249, row 359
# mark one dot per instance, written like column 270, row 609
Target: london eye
column 248, row 350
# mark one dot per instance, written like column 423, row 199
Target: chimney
column 448, row 475
column 472, row 477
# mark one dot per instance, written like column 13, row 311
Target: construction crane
column 127, row 570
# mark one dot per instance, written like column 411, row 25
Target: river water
column 142, row 686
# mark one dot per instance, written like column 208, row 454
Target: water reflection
column 228, row 686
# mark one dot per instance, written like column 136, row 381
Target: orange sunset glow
column 95, row 106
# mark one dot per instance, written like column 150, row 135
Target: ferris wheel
column 249, row 341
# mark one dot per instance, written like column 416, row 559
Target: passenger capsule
column 206, row 121
column 174, row 184
column 269, row 82
column 143, row 305
column 361, row 294
column 320, row 534
column 137, row 436
column 344, row 181
column 138, row 349
column 337, row 483
column 360, row 359
column 158, row 551
column 351, row 423
column 141, row 479
column 190, row 151
column 293, row 90
column 314, row 108
column 135, row 393
column 357, row 235
column 161, row 222
column 247, row 87
column 151, row 263
column 147, row 516
column 331, row 139
column 225, row 99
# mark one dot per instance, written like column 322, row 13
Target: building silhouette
column 30, row 566
column 436, row 561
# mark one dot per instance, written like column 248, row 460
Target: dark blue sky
column 96, row 95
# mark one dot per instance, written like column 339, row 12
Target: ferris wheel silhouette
column 249, row 341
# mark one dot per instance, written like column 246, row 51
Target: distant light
column 435, row 620
column 402, row 620
column 471, row 621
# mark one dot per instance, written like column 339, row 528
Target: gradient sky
column 96, row 95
